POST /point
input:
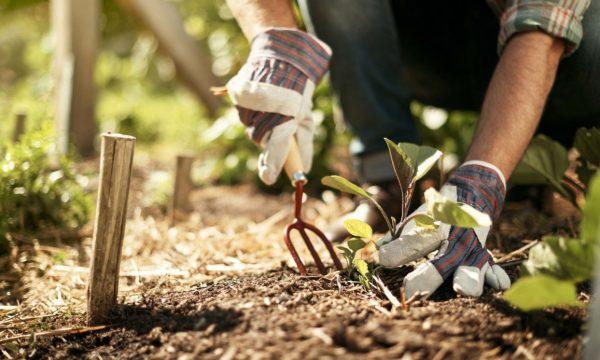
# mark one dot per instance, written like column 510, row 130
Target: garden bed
column 228, row 290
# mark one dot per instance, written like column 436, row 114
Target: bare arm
column 515, row 99
column 254, row 16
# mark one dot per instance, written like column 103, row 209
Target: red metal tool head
column 301, row 226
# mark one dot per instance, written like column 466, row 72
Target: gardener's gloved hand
column 273, row 93
column 463, row 251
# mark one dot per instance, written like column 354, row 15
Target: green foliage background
column 38, row 192
column 138, row 92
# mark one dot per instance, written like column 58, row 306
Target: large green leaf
column 569, row 259
column 544, row 159
column 540, row 292
column 403, row 168
column 453, row 213
column 590, row 223
column 587, row 142
column 358, row 228
column 341, row 184
column 543, row 260
column 422, row 157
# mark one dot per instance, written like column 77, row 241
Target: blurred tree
column 191, row 61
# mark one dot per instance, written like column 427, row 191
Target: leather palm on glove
column 463, row 252
column 273, row 94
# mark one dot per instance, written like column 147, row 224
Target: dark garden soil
column 276, row 314
column 240, row 299
column 282, row 316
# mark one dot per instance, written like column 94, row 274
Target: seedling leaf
column 542, row 291
column 345, row 250
column 563, row 258
column 545, row 159
column 358, row 228
column 421, row 157
column 424, row 220
column 363, row 272
column 590, row 223
column 356, row 244
column 403, row 168
column 341, row 184
column 453, row 213
column 587, row 142
column 361, row 266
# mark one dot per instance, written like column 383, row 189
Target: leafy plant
column 557, row 264
column 587, row 143
column 547, row 161
column 35, row 193
column 411, row 162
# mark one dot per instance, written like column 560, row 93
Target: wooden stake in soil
column 116, row 160
column 19, row 126
column 180, row 203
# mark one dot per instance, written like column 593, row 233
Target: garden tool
column 294, row 169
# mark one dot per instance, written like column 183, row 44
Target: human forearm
column 255, row 16
column 515, row 99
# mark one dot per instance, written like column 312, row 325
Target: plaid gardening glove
column 462, row 253
column 273, row 94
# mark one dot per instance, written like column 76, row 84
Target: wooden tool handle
column 293, row 164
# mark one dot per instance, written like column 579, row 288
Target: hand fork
column 294, row 169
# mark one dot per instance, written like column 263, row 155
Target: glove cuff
column 480, row 185
column 302, row 50
column 489, row 166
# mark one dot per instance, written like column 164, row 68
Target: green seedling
column 557, row 264
column 411, row 162
column 361, row 234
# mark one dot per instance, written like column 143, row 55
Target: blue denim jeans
column 389, row 52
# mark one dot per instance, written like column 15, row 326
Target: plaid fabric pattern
column 294, row 47
column 285, row 58
column 275, row 72
column 559, row 18
column 483, row 189
column 259, row 123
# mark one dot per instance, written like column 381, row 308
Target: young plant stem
column 407, row 199
column 386, row 218
column 405, row 221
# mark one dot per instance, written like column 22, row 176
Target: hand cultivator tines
column 298, row 178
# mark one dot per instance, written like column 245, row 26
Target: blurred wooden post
column 192, row 63
column 75, row 28
column 116, row 160
column 180, row 203
column 19, row 126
